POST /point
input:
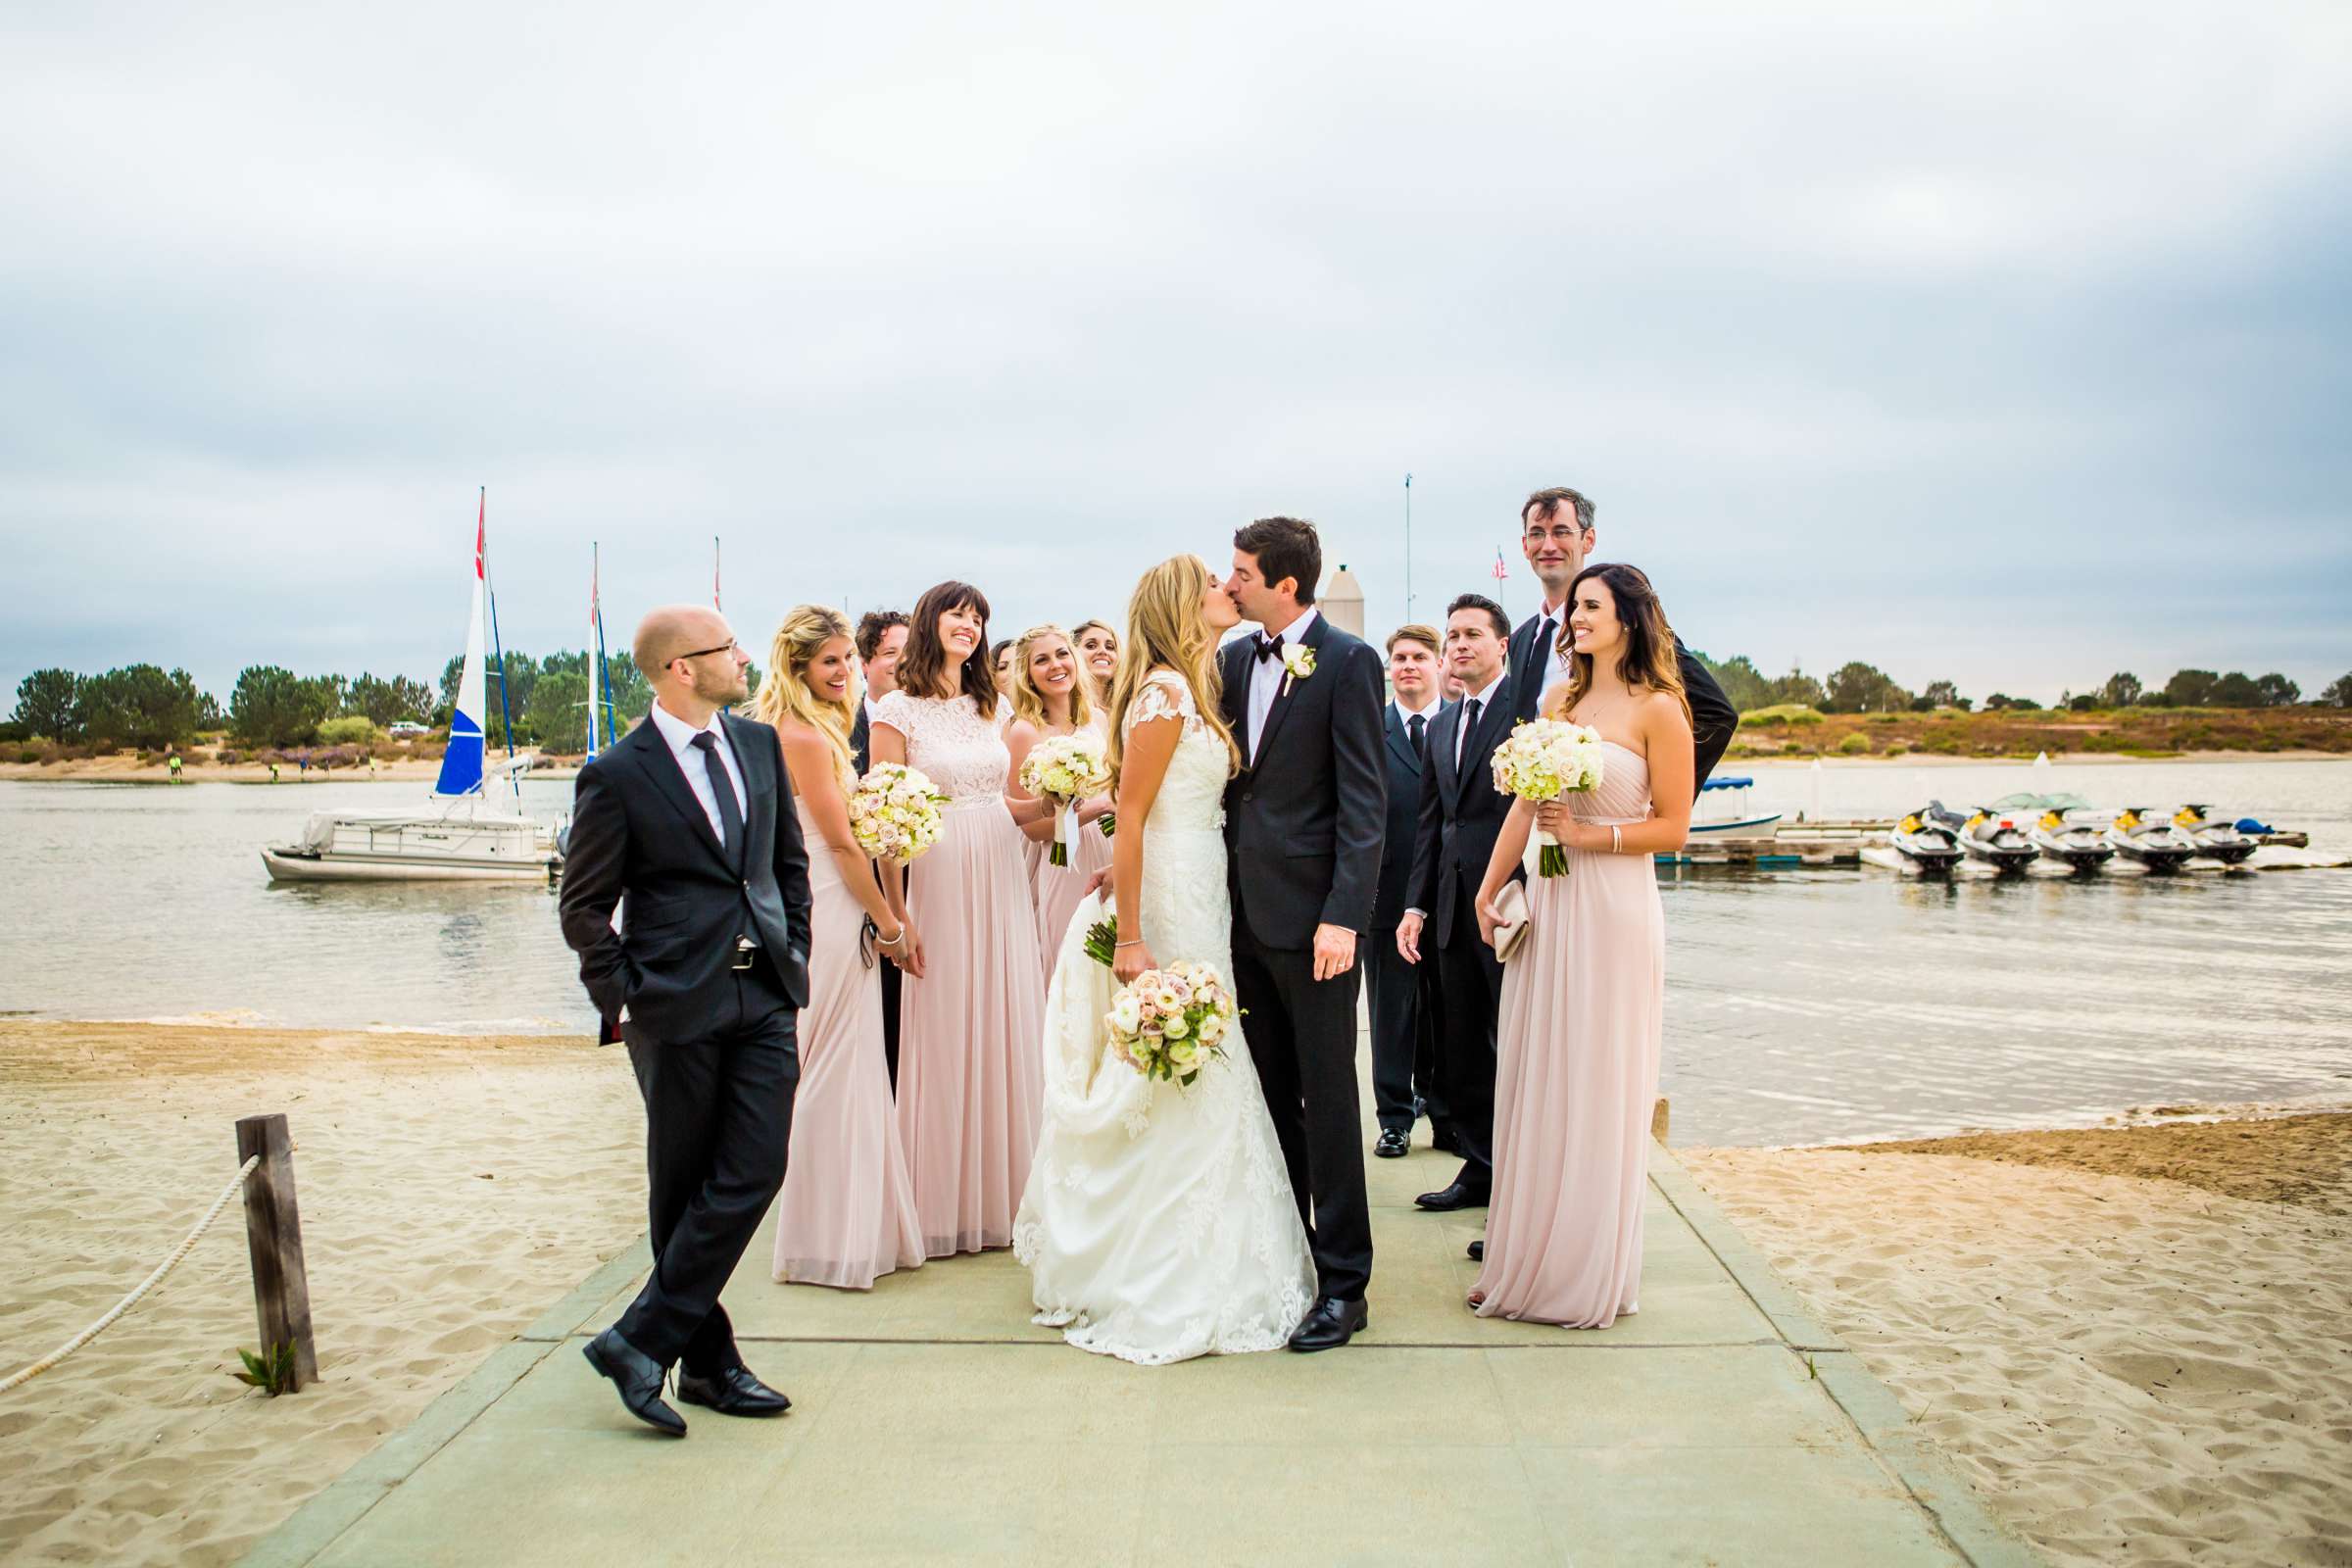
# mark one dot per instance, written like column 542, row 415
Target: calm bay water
column 1803, row 1005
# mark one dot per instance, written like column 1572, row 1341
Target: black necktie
column 730, row 814
column 1412, row 727
column 1547, row 637
column 1461, row 741
column 1269, row 648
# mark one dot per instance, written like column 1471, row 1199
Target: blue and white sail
column 462, row 763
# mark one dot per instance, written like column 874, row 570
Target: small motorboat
column 2226, row 842
column 2151, row 842
column 1725, row 809
column 1928, row 845
column 1986, row 836
column 2083, row 846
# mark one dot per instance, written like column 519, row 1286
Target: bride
column 1158, row 1222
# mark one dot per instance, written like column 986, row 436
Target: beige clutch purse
column 1510, row 934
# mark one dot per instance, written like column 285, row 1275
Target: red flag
column 1501, row 570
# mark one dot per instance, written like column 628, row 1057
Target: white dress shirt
column 873, row 706
column 680, row 738
column 1427, row 714
column 1265, row 678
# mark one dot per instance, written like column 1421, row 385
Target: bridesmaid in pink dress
column 1051, row 698
column 1582, row 999
column 846, row 1213
column 972, row 1012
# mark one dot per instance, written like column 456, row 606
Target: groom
column 1304, row 820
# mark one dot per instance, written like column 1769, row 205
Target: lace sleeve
column 897, row 709
column 1164, row 695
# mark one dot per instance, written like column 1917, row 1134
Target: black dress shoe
column 1478, row 1251
column 734, row 1391
column 1446, row 1200
column 1444, row 1141
column 638, row 1377
column 1395, row 1143
column 1330, row 1323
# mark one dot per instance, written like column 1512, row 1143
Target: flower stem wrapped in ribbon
column 1170, row 1023
column 1544, row 760
column 1065, row 770
column 895, row 812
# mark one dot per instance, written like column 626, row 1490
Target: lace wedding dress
column 1158, row 1222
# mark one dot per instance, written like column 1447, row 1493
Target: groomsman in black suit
column 687, row 824
column 1556, row 536
column 1406, row 1010
column 1461, row 815
column 881, row 639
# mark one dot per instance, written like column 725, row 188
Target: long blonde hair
column 1028, row 702
column 785, row 692
column 1165, row 631
column 1648, row 659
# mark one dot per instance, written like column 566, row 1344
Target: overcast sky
column 2003, row 344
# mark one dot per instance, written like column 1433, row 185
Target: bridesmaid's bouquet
column 1167, row 1023
column 1065, row 770
column 895, row 812
column 1544, row 760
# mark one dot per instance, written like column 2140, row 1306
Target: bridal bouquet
column 1544, row 760
column 1065, row 770
column 895, row 812
column 1166, row 1023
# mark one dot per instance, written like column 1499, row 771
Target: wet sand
column 2137, row 1342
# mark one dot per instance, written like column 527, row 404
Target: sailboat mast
column 596, row 658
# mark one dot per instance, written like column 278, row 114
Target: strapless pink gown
column 846, row 1213
column 970, row 1069
column 1577, row 1041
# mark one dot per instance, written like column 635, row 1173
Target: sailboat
column 462, row 836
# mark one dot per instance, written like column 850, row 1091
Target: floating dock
column 1841, row 841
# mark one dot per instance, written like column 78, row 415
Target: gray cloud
column 1997, row 344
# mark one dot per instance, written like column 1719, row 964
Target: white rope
column 148, row 1284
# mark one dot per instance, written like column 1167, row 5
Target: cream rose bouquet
column 1170, row 1023
column 1544, row 760
column 895, row 812
column 1065, row 770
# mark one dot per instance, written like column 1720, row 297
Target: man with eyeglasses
column 688, row 825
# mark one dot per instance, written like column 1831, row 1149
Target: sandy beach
column 451, row 1189
column 2137, row 1342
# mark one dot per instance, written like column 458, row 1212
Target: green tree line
column 1860, row 688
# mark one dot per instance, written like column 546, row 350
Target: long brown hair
column 924, row 670
column 1165, row 631
column 1028, row 702
column 785, row 692
column 1648, row 659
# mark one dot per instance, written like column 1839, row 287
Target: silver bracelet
column 1616, row 839
column 881, row 941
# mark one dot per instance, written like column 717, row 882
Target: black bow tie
column 1268, row 646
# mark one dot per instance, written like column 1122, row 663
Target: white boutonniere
column 1299, row 660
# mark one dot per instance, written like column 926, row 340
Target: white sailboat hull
column 293, row 865
column 457, row 846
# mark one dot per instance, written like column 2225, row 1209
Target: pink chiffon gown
column 846, row 1213
column 1578, row 1036
column 1060, row 888
column 971, row 1074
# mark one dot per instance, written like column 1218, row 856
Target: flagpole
column 1408, row 547
column 715, row 604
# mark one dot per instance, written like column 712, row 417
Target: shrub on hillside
column 1781, row 714
column 1856, row 744
column 351, row 729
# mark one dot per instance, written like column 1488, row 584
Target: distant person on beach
column 274, row 771
column 174, row 766
column 690, row 825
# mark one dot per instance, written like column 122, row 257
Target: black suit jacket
column 639, row 835
column 1304, row 824
column 862, row 740
column 1407, row 764
column 1461, row 812
column 1712, row 715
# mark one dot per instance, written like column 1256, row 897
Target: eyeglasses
column 731, row 645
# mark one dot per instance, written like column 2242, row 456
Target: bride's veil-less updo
column 1165, row 631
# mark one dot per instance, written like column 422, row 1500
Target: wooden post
column 1657, row 1119
column 281, row 1287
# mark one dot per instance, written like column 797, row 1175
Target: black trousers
column 1302, row 1037
column 1471, row 980
column 717, row 1129
column 1404, row 1033
column 889, row 1018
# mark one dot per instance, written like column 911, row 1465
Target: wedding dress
column 1159, row 1223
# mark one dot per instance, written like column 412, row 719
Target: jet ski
column 1998, row 840
column 2225, row 842
column 2079, row 844
column 1926, row 843
column 2154, row 843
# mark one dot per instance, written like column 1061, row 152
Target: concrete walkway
column 932, row 1423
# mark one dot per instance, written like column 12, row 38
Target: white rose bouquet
column 1168, row 1023
column 1544, row 760
column 1065, row 770
column 895, row 812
